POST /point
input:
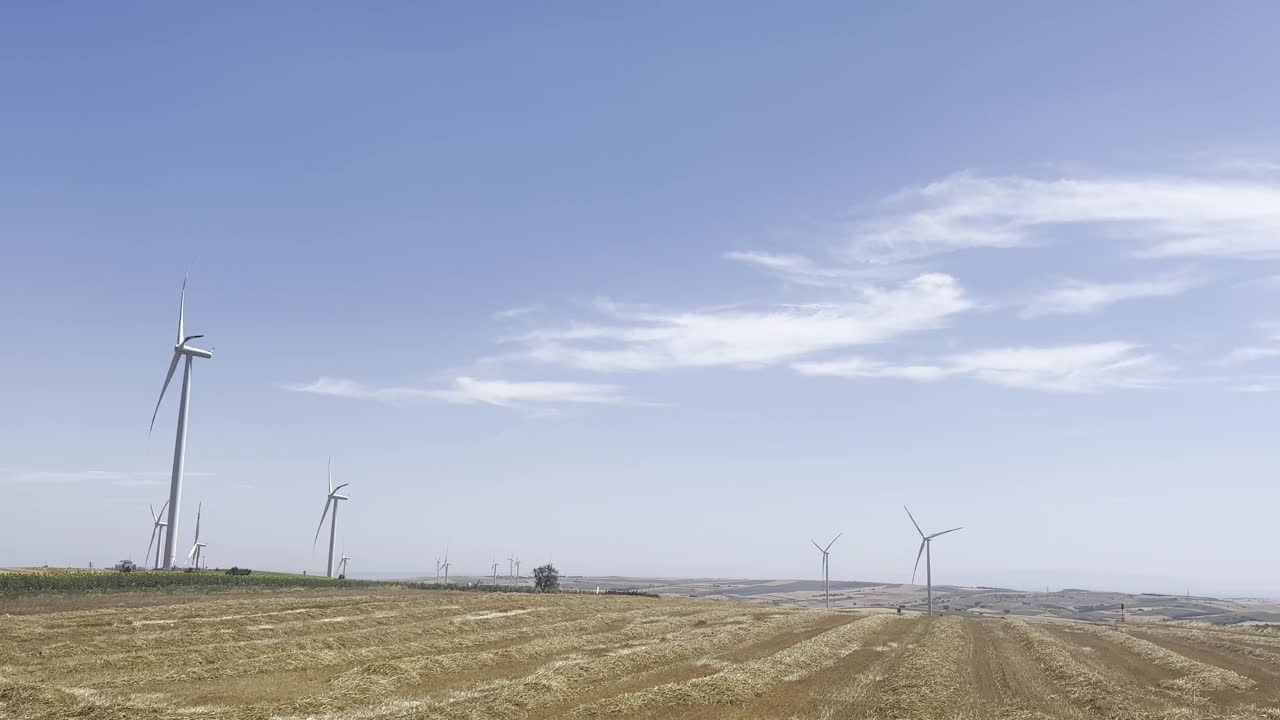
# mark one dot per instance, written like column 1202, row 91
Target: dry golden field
column 415, row 654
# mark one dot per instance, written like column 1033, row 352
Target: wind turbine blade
column 327, row 502
column 913, row 521
column 833, row 542
column 944, row 532
column 815, row 544
column 339, row 487
column 182, row 301
column 199, row 509
column 154, row 529
column 193, row 551
column 173, row 366
column 917, row 567
column 152, row 508
column 330, row 474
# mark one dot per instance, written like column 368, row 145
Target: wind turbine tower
column 826, row 564
column 331, row 499
column 926, row 543
column 187, row 352
column 198, row 547
column 157, row 533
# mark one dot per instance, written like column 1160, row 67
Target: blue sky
column 659, row 290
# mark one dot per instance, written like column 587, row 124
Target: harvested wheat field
column 416, row 654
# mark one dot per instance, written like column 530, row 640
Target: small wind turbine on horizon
column 331, row 499
column 180, row 350
column 511, row 564
column 517, row 570
column 198, row 547
column 826, row 564
column 926, row 544
column 157, row 533
column 342, row 564
column 495, row 573
column 446, row 566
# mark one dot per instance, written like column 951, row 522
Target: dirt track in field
column 413, row 654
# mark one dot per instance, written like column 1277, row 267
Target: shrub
column 546, row 578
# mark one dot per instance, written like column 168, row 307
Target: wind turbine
column 446, row 566
column 926, row 542
column 495, row 573
column 331, row 499
column 517, row 570
column 180, row 350
column 198, row 546
column 342, row 565
column 157, row 533
column 511, row 564
column 826, row 564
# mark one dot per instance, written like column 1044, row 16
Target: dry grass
column 412, row 654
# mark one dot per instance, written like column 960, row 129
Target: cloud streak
column 1075, row 297
column 650, row 340
column 114, row 477
column 472, row 391
column 1164, row 216
column 1082, row 368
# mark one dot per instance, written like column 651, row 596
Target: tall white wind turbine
column 331, row 499
column 826, row 564
column 198, row 547
column 446, row 566
column 342, row 564
column 157, row 533
column 926, row 543
column 180, row 350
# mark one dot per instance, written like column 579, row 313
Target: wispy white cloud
column 1249, row 353
column 801, row 270
column 646, row 339
column 1255, row 388
column 340, row 387
column 1079, row 368
column 515, row 312
column 62, row 477
column 468, row 390
column 1164, row 216
column 114, row 477
column 1074, row 297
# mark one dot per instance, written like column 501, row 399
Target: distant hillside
column 1071, row 604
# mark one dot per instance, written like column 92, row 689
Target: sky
column 659, row 289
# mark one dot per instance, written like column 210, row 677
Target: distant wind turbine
column 157, row 533
column 826, row 564
column 198, row 546
column 331, row 499
column 180, row 350
column 446, row 566
column 495, row 573
column 511, row 564
column 926, row 543
column 342, row 565
column 517, row 570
